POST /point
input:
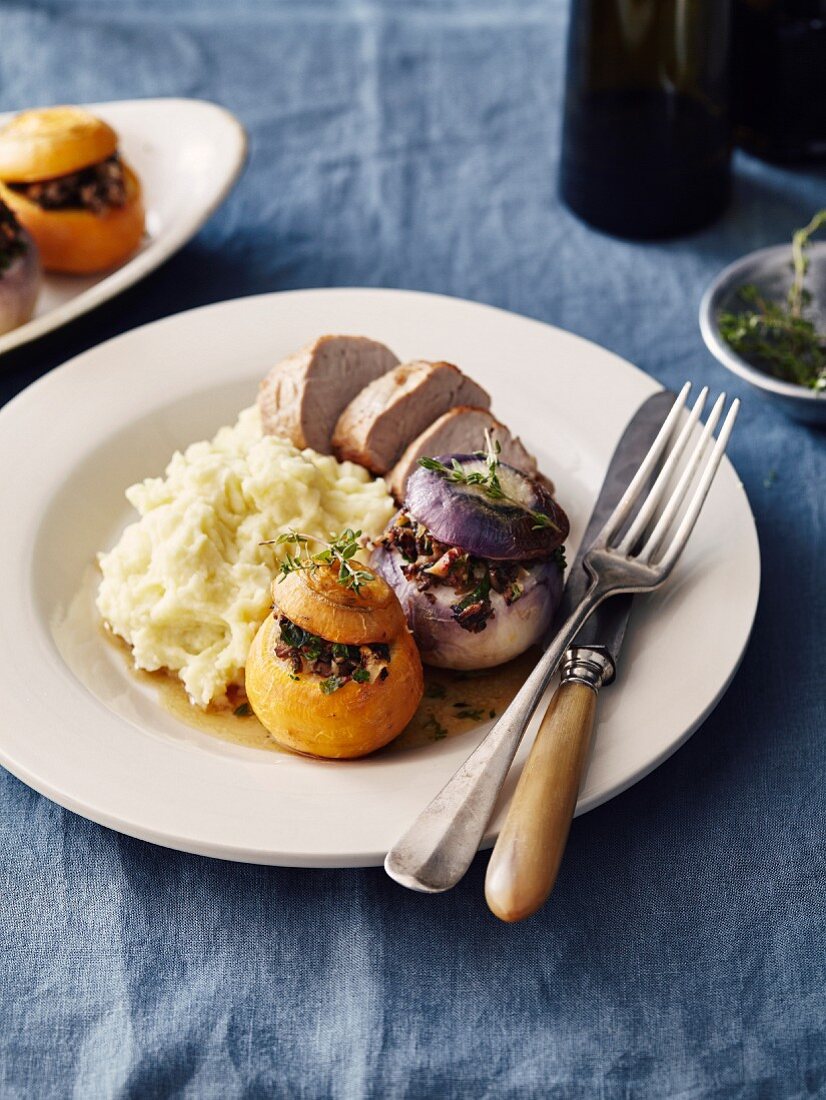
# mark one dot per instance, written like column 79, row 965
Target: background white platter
column 188, row 154
column 77, row 727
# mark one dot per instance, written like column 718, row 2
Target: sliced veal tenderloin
column 302, row 396
column 392, row 411
column 459, row 431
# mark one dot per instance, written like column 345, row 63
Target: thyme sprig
column 779, row 335
column 801, row 240
column 488, row 481
column 338, row 552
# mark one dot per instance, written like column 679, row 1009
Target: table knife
column 526, row 858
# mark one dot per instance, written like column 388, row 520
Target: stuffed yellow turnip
column 333, row 671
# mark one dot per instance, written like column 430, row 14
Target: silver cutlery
column 438, row 848
column 527, row 854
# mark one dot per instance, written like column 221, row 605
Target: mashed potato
column 188, row 584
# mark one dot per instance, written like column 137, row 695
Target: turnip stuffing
column 475, row 556
column 19, row 272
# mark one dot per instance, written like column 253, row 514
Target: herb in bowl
column 779, row 336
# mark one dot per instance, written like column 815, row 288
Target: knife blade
column 525, row 861
column 605, row 630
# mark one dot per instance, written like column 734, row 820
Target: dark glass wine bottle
column 646, row 145
column 780, row 78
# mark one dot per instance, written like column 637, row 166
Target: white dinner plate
column 188, row 154
column 78, row 727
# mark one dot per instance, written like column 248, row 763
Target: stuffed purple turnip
column 475, row 557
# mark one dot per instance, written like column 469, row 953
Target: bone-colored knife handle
column 525, row 861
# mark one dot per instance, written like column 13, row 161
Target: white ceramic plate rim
column 160, row 248
column 63, row 697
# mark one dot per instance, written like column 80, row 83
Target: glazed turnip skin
column 475, row 562
column 19, row 282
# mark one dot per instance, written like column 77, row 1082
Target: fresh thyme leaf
column 778, row 336
column 339, row 551
column 433, row 464
column 331, row 684
column 361, row 676
column 289, row 565
column 541, row 520
column 244, row 711
column 494, row 449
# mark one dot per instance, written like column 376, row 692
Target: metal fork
column 438, row 848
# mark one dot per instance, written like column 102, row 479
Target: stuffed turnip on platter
column 63, row 175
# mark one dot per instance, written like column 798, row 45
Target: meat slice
column 302, row 396
column 387, row 415
column 459, row 431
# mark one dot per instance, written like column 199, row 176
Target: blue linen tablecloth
column 414, row 143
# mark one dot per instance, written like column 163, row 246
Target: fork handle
column 525, row 861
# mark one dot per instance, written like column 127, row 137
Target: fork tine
column 655, row 539
column 646, row 512
column 700, row 493
column 640, row 478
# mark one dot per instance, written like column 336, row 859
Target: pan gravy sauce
column 453, row 703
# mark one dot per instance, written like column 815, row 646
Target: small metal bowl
column 771, row 270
